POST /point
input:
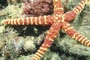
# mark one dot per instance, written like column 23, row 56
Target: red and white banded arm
column 51, row 34
column 69, row 16
column 41, row 20
column 74, row 34
column 58, row 7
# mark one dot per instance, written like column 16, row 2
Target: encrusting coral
column 63, row 43
column 37, row 7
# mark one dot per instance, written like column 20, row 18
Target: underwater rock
column 11, row 11
column 51, row 56
column 29, row 44
column 14, row 1
column 12, row 44
column 40, row 39
column 2, row 28
column 37, row 7
column 25, row 57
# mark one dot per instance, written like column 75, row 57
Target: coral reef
column 13, row 12
column 20, row 42
column 37, row 7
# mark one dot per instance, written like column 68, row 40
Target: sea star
column 57, row 20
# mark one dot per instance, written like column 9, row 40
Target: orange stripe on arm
column 69, row 16
column 80, row 7
column 52, row 33
column 58, row 8
column 41, row 20
column 74, row 34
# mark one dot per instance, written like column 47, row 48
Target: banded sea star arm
column 41, row 20
column 74, row 34
column 51, row 34
column 58, row 8
column 69, row 16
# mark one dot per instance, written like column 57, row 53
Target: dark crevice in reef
column 30, row 30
